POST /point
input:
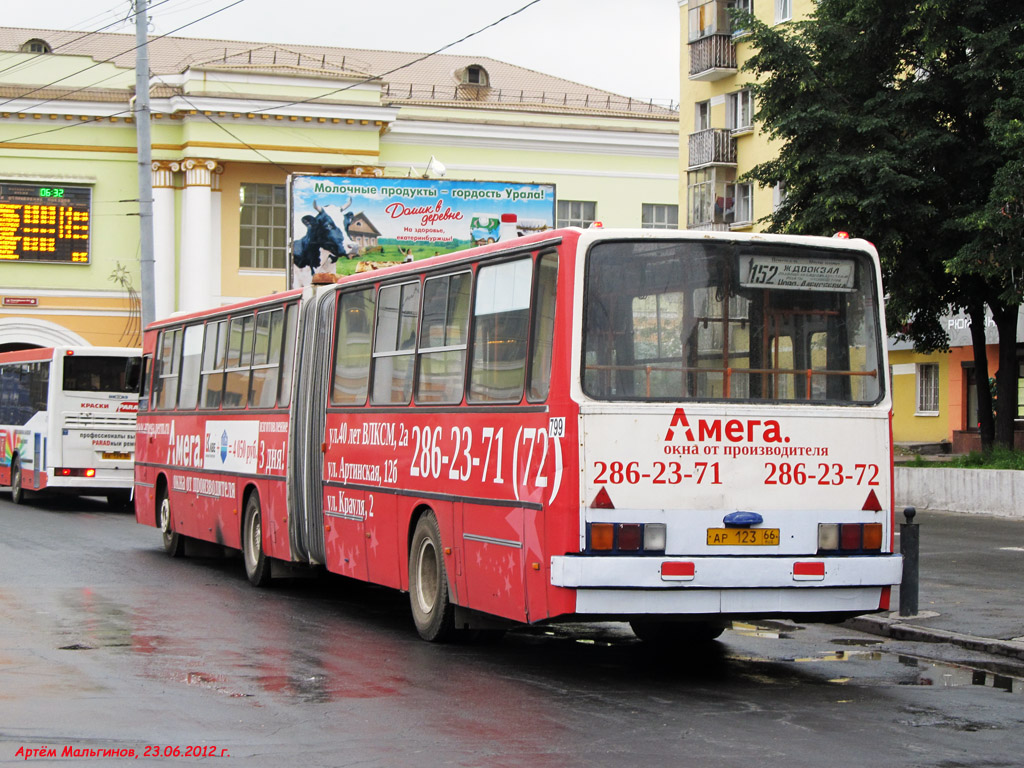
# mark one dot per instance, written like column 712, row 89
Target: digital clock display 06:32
column 47, row 223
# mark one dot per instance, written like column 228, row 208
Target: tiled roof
column 407, row 77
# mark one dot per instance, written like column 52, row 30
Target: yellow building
column 231, row 120
column 720, row 141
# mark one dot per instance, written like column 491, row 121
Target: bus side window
column 501, row 320
column 444, row 333
column 236, row 378
column 41, row 381
column 394, row 352
column 266, row 359
column 214, row 353
column 168, row 362
column 352, row 348
column 191, row 363
column 144, row 389
column 543, row 333
column 288, row 363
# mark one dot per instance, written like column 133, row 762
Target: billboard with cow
column 342, row 223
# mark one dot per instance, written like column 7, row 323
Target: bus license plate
column 114, row 455
column 740, row 537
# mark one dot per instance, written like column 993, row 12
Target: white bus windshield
column 88, row 373
column 740, row 321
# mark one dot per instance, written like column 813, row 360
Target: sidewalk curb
column 899, row 630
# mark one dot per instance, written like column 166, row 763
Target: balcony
column 709, row 198
column 712, row 58
column 714, row 146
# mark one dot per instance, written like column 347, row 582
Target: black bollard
column 910, row 545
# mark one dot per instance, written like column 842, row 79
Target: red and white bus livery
column 655, row 426
column 67, row 421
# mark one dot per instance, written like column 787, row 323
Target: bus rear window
column 675, row 320
column 99, row 374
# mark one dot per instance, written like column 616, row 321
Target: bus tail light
column 654, row 537
column 873, row 537
column 626, row 538
column 849, row 538
column 75, row 472
column 602, row 536
column 630, row 537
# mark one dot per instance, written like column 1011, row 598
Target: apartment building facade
column 933, row 397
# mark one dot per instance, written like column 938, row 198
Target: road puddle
column 944, row 675
column 928, row 672
column 925, row 671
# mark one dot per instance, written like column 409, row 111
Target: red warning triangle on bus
column 602, row 500
column 872, row 505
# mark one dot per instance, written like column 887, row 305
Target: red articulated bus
column 669, row 428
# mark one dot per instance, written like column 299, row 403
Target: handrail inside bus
column 808, row 373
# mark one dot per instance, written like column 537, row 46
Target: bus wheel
column 432, row 612
column 174, row 542
column 674, row 633
column 17, row 492
column 257, row 565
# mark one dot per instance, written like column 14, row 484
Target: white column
column 216, row 264
column 164, row 239
column 195, row 268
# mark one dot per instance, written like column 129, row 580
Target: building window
column 263, row 227
column 927, row 389
column 746, row 6
column 656, row 216
column 576, row 213
column 474, row 74
column 1020, row 390
column 742, row 196
column 739, row 109
column 702, row 116
column 783, row 10
column 35, row 45
column 778, row 195
column 703, row 208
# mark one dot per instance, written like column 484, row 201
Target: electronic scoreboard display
column 44, row 222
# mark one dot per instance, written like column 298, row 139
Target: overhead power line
column 424, row 57
column 122, row 53
column 29, row 62
column 368, row 79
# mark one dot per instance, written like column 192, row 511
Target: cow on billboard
column 323, row 233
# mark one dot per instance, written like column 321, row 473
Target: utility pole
column 145, row 156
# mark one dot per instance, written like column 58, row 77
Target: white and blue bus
column 67, row 421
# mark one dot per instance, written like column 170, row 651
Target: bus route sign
column 44, row 222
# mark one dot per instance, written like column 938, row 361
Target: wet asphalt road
column 108, row 644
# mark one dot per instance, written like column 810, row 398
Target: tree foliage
column 902, row 121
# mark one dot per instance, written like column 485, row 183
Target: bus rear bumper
column 103, row 482
column 762, row 586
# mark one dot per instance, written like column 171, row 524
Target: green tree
column 891, row 119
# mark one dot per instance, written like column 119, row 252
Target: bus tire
column 17, row 491
column 432, row 611
column 174, row 542
column 676, row 633
column 257, row 564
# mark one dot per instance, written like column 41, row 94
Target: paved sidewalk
column 971, row 585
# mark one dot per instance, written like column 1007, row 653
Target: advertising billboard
column 338, row 223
